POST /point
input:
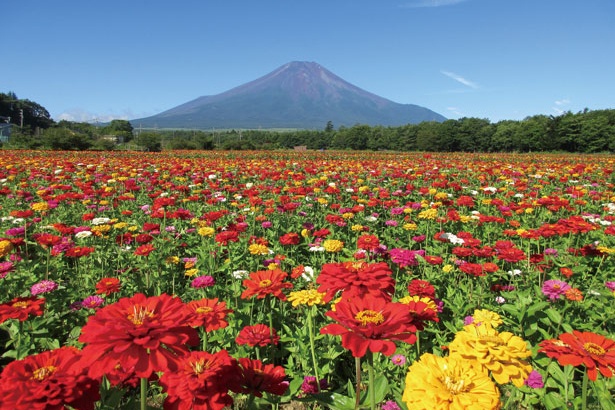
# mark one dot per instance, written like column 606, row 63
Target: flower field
column 340, row 280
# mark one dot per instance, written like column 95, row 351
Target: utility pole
column 21, row 117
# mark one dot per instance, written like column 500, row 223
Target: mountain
column 301, row 95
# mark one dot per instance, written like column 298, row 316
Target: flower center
column 203, row 309
column 369, row 316
column 200, row 366
column 42, row 372
column 139, row 314
column 492, row 340
column 455, row 386
column 20, row 305
column 594, row 349
column 264, row 283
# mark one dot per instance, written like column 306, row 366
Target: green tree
column 149, row 141
column 119, row 128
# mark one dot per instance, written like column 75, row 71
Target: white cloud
column 460, row 79
column 81, row 115
column 560, row 106
column 455, row 111
column 431, row 3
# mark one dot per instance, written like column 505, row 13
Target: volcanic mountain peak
column 296, row 95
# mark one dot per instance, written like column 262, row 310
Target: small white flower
column 500, row 300
column 240, row 274
column 249, row 185
column 371, row 218
column 317, row 249
column 83, row 234
column 308, row 274
column 514, row 272
column 100, row 221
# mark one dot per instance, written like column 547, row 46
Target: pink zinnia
column 44, row 286
column 92, row 302
column 5, row 268
column 203, row 282
column 554, row 288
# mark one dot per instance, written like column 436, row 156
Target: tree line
column 588, row 131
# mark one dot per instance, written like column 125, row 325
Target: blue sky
column 496, row 59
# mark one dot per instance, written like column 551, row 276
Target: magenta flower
column 92, row 302
column 534, row 380
column 44, row 286
column 610, row 285
column 554, row 288
column 405, row 257
column 203, row 282
column 5, row 268
column 309, row 385
column 398, row 359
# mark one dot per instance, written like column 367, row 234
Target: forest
column 588, row 131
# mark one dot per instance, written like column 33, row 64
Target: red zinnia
column 48, row 381
column 108, row 286
column 368, row 242
column 256, row 378
column 78, row 251
column 266, row 282
column 421, row 288
column 594, row 351
column 208, row 313
column 21, row 308
column 370, row 323
column 202, row 382
column 144, row 250
column 356, row 279
column 257, row 335
column 47, row 240
column 290, row 238
column 224, row 237
column 148, row 334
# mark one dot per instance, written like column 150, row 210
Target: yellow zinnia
column 484, row 316
column 308, row 297
column 502, row 353
column 442, row 383
column 333, row 245
column 6, row 247
column 206, row 231
column 258, row 249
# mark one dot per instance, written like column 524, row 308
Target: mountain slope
column 296, row 95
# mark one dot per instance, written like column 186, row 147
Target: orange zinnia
column 266, row 282
column 595, row 351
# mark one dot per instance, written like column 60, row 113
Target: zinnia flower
column 257, row 335
column 356, row 279
column 203, row 282
column 21, row 308
column 202, row 382
column 442, row 383
column 309, row 297
column 257, row 378
column 554, row 288
column 50, row 380
column 266, row 282
column 92, row 302
column 311, row 386
column 148, row 334
column 108, row 286
column 333, row 245
column 594, row 351
column 208, row 313
column 370, row 323
column 502, row 353
column 44, row 286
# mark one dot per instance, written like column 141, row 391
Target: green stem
column 312, row 349
column 370, row 372
column 418, row 345
column 357, row 365
column 584, row 391
column 143, row 393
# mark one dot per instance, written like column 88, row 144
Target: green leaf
column 554, row 400
column 554, row 316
